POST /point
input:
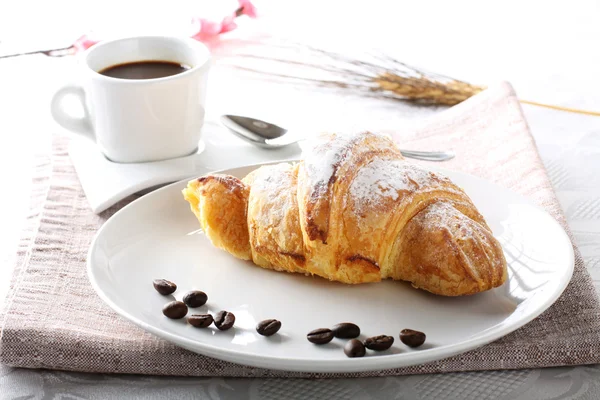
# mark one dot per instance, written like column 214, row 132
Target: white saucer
column 105, row 182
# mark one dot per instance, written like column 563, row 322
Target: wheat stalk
column 425, row 91
column 375, row 75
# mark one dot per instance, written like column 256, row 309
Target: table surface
column 547, row 50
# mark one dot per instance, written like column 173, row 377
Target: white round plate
column 157, row 236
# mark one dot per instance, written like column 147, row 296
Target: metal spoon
column 270, row 136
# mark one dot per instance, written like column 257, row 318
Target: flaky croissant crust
column 352, row 211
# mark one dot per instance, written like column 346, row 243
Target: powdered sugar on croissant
column 353, row 211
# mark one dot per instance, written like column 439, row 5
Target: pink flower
column 247, row 9
column 210, row 29
column 83, row 43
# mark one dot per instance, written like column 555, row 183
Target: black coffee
column 144, row 70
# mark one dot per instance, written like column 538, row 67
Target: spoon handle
column 267, row 135
column 428, row 155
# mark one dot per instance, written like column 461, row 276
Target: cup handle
column 80, row 125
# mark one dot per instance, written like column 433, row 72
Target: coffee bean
column 379, row 343
column 268, row 327
column 195, row 298
column 164, row 286
column 224, row 320
column 412, row 338
column 320, row 336
column 200, row 320
column 354, row 348
column 346, row 330
column 175, row 310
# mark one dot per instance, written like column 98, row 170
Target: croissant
column 352, row 211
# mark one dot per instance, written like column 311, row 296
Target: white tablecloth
column 547, row 50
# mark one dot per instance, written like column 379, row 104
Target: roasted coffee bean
column 224, row 320
column 175, row 310
column 200, row 320
column 195, row 298
column 346, row 330
column 164, row 286
column 354, row 348
column 379, row 343
column 268, row 327
column 320, row 336
column 412, row 338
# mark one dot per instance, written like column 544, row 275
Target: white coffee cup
column 139, row 120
